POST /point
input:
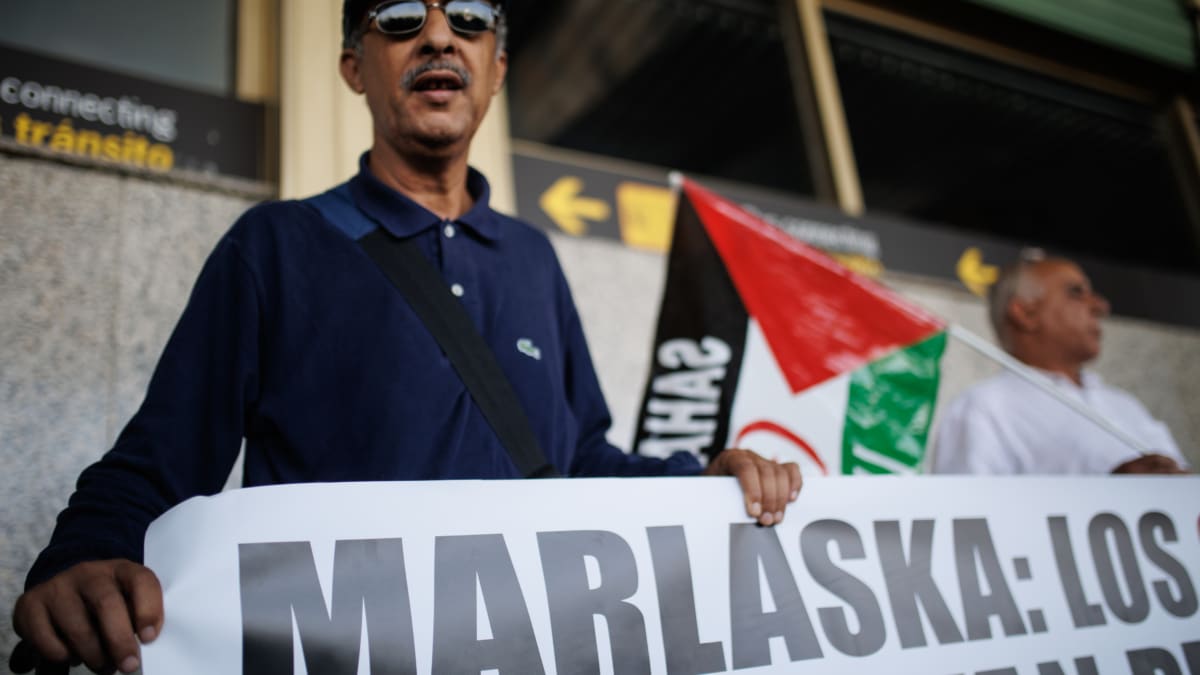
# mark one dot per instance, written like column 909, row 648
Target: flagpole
column 1042, row 382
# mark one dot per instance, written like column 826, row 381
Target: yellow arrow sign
column 973, row 273
column 570, row 211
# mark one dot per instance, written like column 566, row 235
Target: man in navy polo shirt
column 294, row 341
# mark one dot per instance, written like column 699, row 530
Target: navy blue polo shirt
column 296, row 342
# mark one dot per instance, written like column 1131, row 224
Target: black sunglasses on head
column 406, row 17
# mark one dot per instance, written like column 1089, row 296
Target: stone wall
column 94, row 269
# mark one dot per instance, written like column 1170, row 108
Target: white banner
column 928, row 575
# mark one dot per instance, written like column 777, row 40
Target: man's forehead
column 1060, row 271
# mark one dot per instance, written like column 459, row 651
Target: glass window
column 697, row 85
column 946, row 136
column 189, row 44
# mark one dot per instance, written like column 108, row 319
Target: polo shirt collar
column 403, row 217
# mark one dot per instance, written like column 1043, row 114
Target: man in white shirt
column 1046, row 314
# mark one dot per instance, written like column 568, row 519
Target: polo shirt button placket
column 449, row 231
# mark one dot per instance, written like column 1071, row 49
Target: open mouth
column 438, row 80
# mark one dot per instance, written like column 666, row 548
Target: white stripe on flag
column 816, row 414
column 880, row 460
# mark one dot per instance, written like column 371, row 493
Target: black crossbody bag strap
column 427, row 293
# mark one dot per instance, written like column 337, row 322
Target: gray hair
column 1013, row 281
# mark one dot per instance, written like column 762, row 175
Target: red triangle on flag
column 819, row 318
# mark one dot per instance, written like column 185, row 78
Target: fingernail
column 767, row 519
column 130, row 664
column 147, row 634
column 779, row 516
column 795, row 495
column 756, row 509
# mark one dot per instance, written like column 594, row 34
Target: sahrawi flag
column 768, row 344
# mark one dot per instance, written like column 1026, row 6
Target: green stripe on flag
column 889, row 409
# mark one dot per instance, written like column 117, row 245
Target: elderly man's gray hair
column 1013, row 281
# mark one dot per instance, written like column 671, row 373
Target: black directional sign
column 94, row 115
column 584, row 196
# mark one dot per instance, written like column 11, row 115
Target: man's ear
column 1022, row 314
column 349, row 64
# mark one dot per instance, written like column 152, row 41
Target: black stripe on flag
column 698, row 348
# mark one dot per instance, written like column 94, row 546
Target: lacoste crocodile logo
column 526, row 347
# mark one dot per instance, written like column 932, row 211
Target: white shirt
column 1005, row 425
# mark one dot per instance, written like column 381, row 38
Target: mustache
column 411, row 76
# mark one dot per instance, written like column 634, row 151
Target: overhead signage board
column 89, row 114
column 943, row 575
column 582, row 196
